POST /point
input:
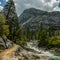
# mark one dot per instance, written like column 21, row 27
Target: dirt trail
column 8, row 53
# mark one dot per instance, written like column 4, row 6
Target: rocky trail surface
column 19, row 53
column 8, row 53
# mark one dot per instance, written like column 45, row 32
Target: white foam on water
column 47, row 53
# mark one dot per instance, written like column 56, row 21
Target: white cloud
column 6, row 0
column 0, row 2
column 56, row 9
column 47, row 5
column 1, row 8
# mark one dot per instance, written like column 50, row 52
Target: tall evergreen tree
column 11, row 17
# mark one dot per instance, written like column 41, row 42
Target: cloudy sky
column 47, row 5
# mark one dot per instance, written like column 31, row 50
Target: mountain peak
column 47, row 18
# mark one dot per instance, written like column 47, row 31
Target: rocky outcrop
column 5, row 43
column 11, row 51
column 16, row 52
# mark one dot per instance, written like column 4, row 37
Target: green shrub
column 54, row 41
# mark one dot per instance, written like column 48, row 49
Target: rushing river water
column 47, row 53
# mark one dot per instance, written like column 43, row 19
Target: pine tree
column 20, row 37
column 28, row 33
column 11, row 17
column 4, row 28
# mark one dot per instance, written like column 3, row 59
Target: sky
column 46, row 5
column 2, row 3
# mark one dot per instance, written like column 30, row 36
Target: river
column 47, row 53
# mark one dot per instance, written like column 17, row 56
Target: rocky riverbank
column 55, row 51
column 11, row 51
column 18, row 53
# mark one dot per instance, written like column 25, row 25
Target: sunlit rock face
column 33, row 18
